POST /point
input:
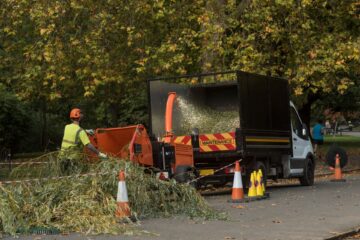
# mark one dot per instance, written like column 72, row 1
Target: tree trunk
column 44, row 133
column 305, row 113
column 305, row 110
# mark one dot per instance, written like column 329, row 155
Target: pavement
column 352, row 133
column 292, row 212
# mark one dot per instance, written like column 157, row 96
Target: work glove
column 90, row 132
column 102, row 155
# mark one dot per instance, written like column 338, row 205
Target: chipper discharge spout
column 169, row 117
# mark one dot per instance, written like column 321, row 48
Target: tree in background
column 314, row 44
column 97, row 55
column 13, row 120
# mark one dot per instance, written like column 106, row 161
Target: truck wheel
column 185, row 174
column 331, row 154
column 261, row 165
column 220, row 184
column 308, row 178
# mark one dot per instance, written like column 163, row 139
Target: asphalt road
column 292, row 212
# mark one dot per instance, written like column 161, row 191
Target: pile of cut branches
column 206, row 119
column 85, row 200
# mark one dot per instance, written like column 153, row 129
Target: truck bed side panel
column 264, row 113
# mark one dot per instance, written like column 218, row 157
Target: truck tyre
column 331, row 154
column 185, row 174
column 308, row 178
column 220, row 184
column 262, row 166
column 258, row 165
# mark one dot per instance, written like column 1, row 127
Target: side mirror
column 195, row 138
column 305, row 131
column 195, row 131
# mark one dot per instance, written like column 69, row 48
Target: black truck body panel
column 261, row 103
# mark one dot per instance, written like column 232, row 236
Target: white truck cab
column 302, row 162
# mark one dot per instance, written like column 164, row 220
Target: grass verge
column 351, row 144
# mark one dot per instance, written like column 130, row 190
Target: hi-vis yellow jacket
column 74, row 136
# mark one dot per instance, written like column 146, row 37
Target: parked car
column 345, row 126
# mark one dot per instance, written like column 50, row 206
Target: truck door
column 299, row 141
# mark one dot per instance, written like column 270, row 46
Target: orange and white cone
column 123, row 209
column 337, row 171
column 237, row 190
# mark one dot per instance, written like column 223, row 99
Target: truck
column 200, row 125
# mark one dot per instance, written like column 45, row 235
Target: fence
column 5, row 162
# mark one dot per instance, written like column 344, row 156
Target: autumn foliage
column 97, row 55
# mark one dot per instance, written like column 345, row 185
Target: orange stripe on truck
column 268, row 140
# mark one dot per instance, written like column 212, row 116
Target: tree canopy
column 55, row 55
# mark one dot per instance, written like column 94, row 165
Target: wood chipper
column 201, row 123
column 162, row 156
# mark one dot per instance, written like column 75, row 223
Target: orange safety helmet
column 75, row 113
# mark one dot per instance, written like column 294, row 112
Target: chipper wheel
column 185, row 174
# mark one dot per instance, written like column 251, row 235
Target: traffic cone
column 123, row 209
column 252, row 187
column 262, row 181
column 259, row 189
column 337, row 171
column 237, row 189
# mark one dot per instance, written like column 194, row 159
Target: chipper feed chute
column 125, row 142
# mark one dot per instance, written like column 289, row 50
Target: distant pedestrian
column 327, row 127
column 318, row 134
column 334, row 126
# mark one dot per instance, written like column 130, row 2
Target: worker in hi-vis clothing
column 75, row 138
